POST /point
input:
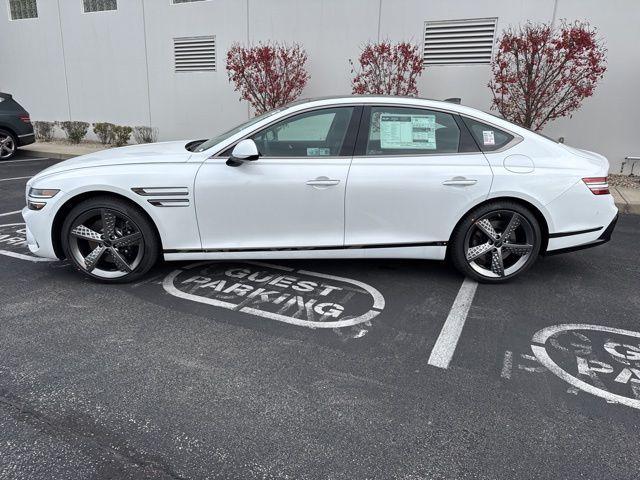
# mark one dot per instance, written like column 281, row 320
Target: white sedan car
column 351, row 177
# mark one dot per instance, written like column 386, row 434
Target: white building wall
column 331, row 31
column 118, row 66
column 194, row 104
column 608, row 122
column 468, row 82
column 105, row 63
column 32, row 66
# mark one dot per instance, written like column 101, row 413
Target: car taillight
column 25, row 118
column 597, row 185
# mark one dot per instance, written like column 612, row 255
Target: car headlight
column 39, row 194
column 42, row 192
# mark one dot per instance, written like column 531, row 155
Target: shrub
column 121, row 135
column 74, row 130
column 44, row 130
column 145, row 134
column 387, row 69
column 541, row 73
column 267, row 76
column 104, row 132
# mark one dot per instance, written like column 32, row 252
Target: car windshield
column 215, row 140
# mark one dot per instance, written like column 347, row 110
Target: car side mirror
column 245, row 151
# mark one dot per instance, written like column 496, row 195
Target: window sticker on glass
column 400, row 131
column 488, row 137
column 318, row 152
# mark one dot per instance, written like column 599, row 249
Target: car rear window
column 488, row 137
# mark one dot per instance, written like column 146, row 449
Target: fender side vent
column 161, row 191
column 169, row 202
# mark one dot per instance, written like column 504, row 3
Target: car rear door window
column 319, row 133
column 411, row 131
column 488, row 137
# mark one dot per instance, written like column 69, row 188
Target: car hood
column 163, row 152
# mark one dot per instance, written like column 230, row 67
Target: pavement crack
column 87, row 440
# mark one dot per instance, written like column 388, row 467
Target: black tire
column 129, row 217
column 3, row 154
column 467, row 241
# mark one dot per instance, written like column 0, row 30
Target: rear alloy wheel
column 496, row 242
column 8, row 145
column 109, row 240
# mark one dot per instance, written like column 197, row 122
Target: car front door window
column 319, row 133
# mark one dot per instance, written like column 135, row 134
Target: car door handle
column 322, row 182
column 460, row 182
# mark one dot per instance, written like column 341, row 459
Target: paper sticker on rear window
column 401, row 131
column 488, row 137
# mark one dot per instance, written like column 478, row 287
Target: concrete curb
column 54, row 155
column 627, row 199
column 60, row 151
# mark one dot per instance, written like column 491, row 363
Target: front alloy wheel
column 495, row 244
column 109, row 240
column 106, row 243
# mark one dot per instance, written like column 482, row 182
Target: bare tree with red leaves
column 541, row 73
column 269, row 75
column 387, row 69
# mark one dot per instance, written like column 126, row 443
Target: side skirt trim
column 286, row 249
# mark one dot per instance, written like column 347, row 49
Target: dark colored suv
column 15, row 127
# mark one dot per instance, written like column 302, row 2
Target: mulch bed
column 624, row 181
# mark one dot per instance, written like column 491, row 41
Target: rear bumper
column 604, row 237
column 26, row 139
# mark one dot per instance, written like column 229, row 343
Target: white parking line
column 22, row 256
column 450, row 334
column 10, row 213
column 14, row 178
column 24, row 160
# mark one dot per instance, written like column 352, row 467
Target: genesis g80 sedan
column 349, row 177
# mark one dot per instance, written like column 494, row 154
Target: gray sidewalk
column 61, row 150
column 627, row 199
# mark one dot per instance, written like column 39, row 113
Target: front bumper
column 602, row 239
column 38, row 223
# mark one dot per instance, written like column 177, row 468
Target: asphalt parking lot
column 420, row 376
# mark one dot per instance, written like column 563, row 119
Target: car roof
column 385, row 99
column 369, row 98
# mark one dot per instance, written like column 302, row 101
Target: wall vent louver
column 195, row 54
column 459, row 42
